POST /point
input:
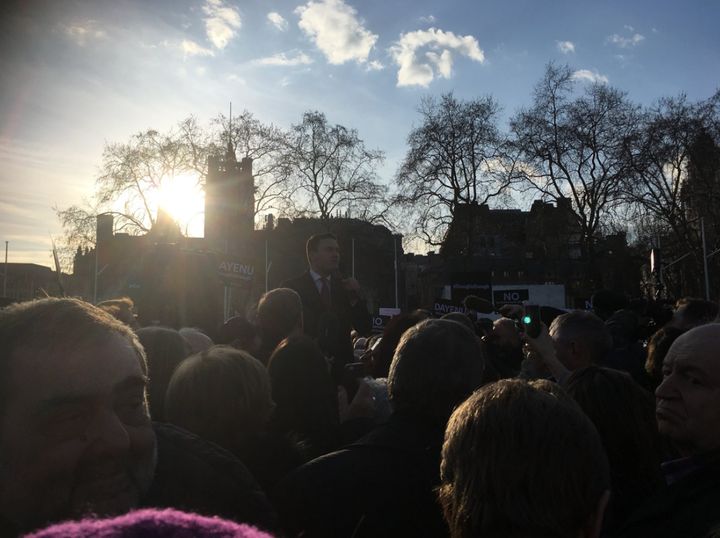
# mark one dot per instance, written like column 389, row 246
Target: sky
column 75, row 75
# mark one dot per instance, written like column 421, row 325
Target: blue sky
column 75, row 74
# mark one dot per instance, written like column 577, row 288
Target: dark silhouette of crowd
column 300, row 422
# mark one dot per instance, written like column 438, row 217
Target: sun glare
column 184, row 200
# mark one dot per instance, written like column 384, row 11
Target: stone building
column 486, row 248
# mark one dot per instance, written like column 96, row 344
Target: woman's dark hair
column 624, row 415
column 658, row 346
column 304, row 394
column 437, row 364
column 165, row 349
column 221, row 394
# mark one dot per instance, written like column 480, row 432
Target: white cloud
column 283, row 59
column 222, row 22
column 566, row 47
column 374, row 66
column 590, row 76
column 420, row 70
column 430, row 19
column 629, row 28
column 83, row 32
column 625, row 42
column 190, row 48
column 336, row 30
column 277, row 20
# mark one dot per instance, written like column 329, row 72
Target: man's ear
column 595, row 522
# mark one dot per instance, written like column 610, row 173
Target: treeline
column 652, row 171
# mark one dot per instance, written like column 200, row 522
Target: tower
column 229, row 201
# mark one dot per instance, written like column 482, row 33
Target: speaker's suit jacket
column 331, row 326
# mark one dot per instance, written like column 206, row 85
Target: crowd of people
column 300, row 423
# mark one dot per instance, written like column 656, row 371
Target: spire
column 230, row 154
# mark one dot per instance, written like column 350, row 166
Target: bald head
column 688, row 399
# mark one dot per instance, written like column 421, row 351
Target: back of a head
column 196, row 339
column 461, row 318
column 623, row 326
column 586, row 330
column 691, row 312
column 54, row 324
column 657, row 348
column 624, row 415
column 302, row 387
column 437, row 364
column 279, row 313
column 221, row 394
column 239, row 333
column 165, row 349
column 521, row 459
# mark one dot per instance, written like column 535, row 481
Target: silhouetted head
column 196, row 339
column 657, row 348
column 279, row 315
column 165, row 349
column 221, row 394
column 624, row 415
column 303, row 391
column 437, row 364
column 691, row 313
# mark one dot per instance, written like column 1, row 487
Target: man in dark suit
column 332, row 304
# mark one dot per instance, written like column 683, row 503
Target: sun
column 184, row 200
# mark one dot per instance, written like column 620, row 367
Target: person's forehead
column 698, row 350
column 91, row 368
column 328, row 243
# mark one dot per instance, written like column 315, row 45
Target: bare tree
column 329, row 169
column 573, row 147
column 264, row 144
column 456, row 156
column 132, row 173
column 674, row 181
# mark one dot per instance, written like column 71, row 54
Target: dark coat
column 382, row 485
column 331, row 327
column 195, row 475
column 688, row 508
